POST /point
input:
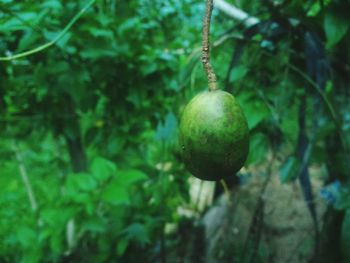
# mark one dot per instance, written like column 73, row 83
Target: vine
column 52, row 42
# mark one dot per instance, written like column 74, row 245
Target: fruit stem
column 226, row 191
column 212, row 85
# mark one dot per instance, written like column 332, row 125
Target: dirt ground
column 277, row 227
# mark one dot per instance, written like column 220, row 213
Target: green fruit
column 214, row 136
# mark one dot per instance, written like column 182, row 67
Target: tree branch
column 236, row 13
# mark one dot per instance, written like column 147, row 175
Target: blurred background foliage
column 89, row 166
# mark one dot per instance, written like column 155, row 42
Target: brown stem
column 205, row 47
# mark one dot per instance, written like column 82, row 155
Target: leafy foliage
column 95, row 116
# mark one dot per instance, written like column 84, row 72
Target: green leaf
column 149, row 68
column 100, row 32
column 314, row 10
column 254, row 109
column 32, row 256
column 289, row 170
column 53, row 4
column 102, row 169
column 94, row 225
column 57, row 218
column 97, row 53
column 335, row 26
column 14, row 24
column 137, row 232
column 289, row 123
column 116, row 144
column 27, row 41
column 80, row 182
column 26, row 236
column 122, row 246
column 238, row 73
column 325, row 128
column 115, row 193
column 129, row 25
column 258, row 148
column 130, row 176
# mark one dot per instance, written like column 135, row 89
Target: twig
column 205, row 47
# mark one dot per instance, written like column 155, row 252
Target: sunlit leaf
column 80, row 182
column 335, row 26
column 122, row 246
column 115, row 193
column 127, row 177
column 102, row 168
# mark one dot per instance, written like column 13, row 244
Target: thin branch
column 205, row 47
column 50, row 43
column 24, row 176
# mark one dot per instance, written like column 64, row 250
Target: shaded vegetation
column 89, row 162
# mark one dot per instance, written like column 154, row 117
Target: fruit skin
column 213, row 136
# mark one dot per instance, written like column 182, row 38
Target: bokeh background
column 90, row 169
